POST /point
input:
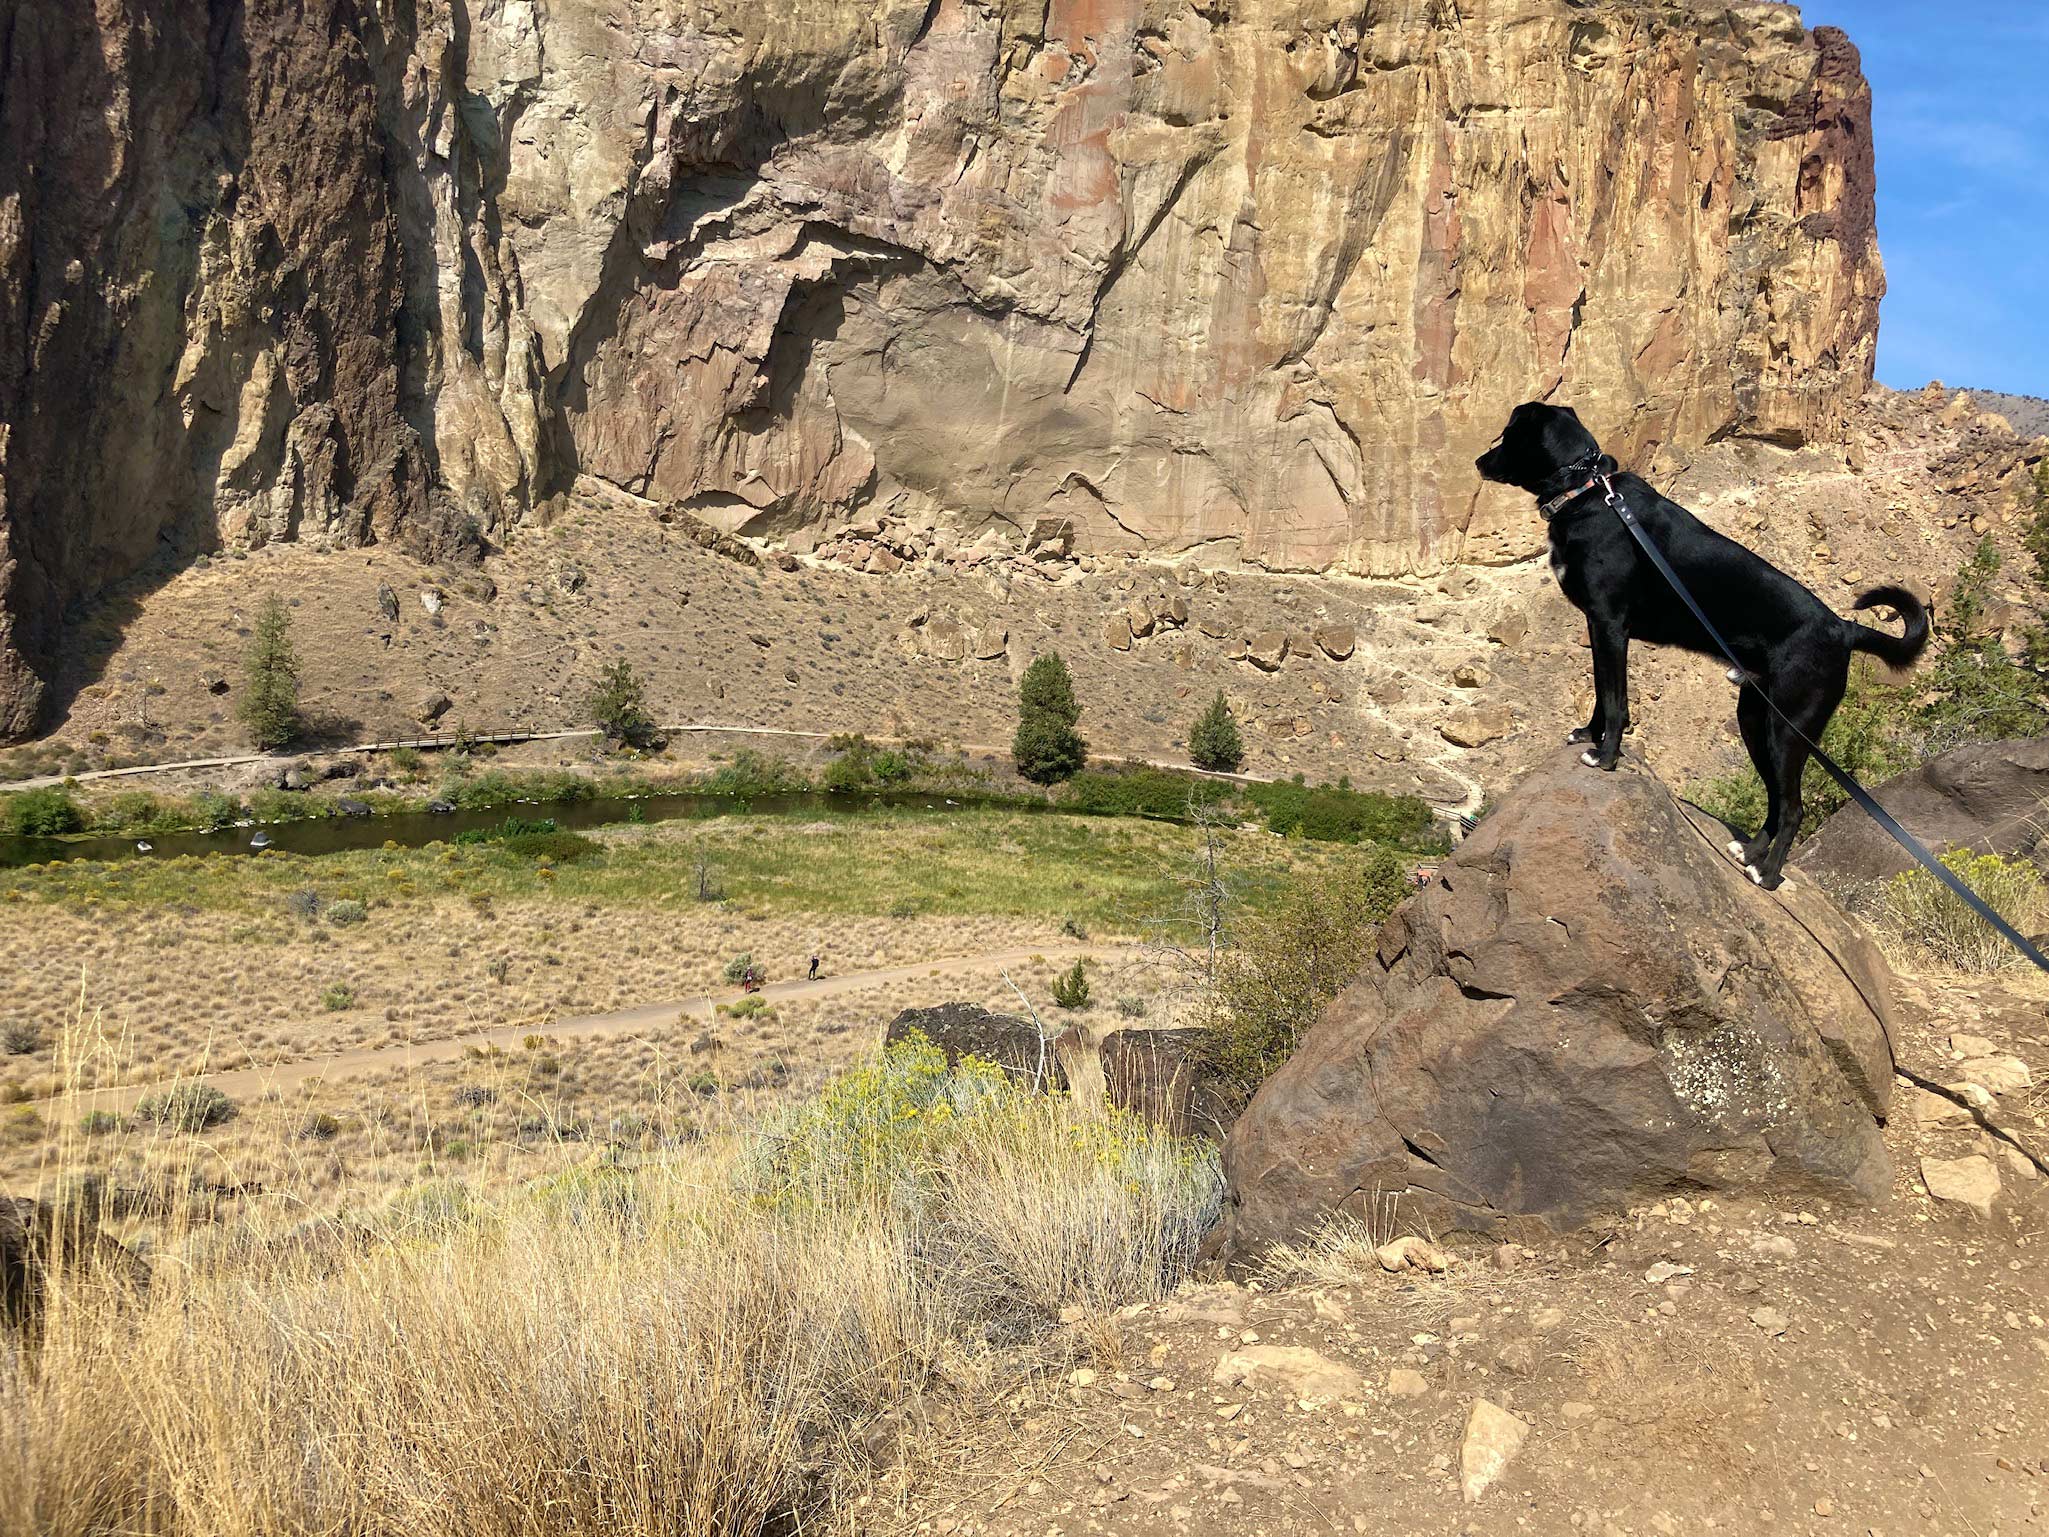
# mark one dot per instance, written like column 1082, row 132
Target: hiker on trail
column 812, row 975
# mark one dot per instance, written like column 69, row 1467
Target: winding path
column 250, row 1082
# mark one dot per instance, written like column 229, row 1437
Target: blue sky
column 1960, row 99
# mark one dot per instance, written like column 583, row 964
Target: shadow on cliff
column 121, row 170
column 92, row 635
column 88, row 636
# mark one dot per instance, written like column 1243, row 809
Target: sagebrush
column 1918, row 910
column 1292, row 958
column 188, row 1107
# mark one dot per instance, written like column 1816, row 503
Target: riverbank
column 464, row 775
column 342, row 803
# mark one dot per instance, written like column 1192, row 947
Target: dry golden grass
column 713, row 1341
column 626, row 1283
column 500, row 1116
column 213, row 991
column 1341, row 1252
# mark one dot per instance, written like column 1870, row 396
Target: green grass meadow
column 1099, row 871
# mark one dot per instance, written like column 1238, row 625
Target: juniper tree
column 1213, row 742
column 270, row 692
column 1047, row 748
column 619, row 705
column 1071, row 988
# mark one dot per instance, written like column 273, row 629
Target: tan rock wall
column 1254, row 276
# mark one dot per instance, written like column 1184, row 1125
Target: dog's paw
column 1734, row 676
column 1751, row 871
column 1590, row 759
column 1735, row 846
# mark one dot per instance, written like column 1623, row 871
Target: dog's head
column 1537, row 443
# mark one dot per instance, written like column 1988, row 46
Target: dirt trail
column 248, row 1082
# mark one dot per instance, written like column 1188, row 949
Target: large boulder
column 1992, row 797
column 36, row 1237
column 1162, row 1076
column 969, row 1030
column 1590, row 1007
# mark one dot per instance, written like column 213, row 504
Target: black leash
column 1836, row 771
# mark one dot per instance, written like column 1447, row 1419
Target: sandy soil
column 165, row 993
column 316, row 1129
column 294, row 1075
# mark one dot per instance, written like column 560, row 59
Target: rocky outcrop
column 1989, row 797
column 1151, row 273
column 38, row 1239
column 1163, row 1077
column 1010, row 1041
column 2026, row 414
column 202, row 290
column 1589, row 1008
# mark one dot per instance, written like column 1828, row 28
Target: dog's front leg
column 1611, row 691
column 1591, row 731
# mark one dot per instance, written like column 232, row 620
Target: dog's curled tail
column 1899, row 652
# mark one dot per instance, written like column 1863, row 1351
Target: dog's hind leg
column 1788, row 765
column 1809, row 694
column 1753, row 719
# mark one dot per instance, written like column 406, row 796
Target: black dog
column 1788, row 642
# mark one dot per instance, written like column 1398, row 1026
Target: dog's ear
column 1570, row 412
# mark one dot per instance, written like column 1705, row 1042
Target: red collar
column 1549, row 509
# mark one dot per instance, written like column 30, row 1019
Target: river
column 411, row 829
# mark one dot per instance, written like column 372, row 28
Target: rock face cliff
column 1262, row 275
